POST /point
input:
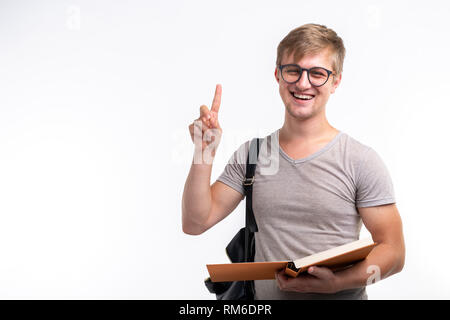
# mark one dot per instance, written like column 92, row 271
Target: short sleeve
column 374, row 184
column 234, row 172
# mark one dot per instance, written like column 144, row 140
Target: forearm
column 383, row 261
column 196, row 202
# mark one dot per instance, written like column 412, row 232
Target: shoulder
column 351, row 151
column 352, row 147
column 358, row 157
column 359, row 151
column 241, row 153
column 368, row 166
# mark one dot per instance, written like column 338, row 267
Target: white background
column 95, row 102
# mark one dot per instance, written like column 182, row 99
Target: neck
column 310, row 129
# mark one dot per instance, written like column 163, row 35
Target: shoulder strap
column 252, row 158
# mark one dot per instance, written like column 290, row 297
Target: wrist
column 338, row 283
column 349, row 279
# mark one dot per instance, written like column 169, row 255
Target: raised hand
column 206, row 127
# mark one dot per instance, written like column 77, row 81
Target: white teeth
column 301, row 96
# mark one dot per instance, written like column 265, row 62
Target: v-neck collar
column 310, row 157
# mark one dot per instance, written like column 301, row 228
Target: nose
column 303, row 82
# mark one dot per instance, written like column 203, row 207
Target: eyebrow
column 314, row 66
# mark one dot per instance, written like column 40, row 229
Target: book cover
column 334, row 258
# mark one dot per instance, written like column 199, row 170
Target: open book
column 335, row 259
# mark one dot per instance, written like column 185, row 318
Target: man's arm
column 387, row 258
column 203, row 205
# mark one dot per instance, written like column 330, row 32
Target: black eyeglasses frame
column 281, row 67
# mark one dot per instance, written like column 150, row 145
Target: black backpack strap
column 252, row 158
column 250, row 222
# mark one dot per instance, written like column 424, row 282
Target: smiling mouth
column 303, row 97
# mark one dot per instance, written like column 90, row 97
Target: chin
column 300, row 114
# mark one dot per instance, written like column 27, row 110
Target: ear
column 336, row 82
column 277, row 75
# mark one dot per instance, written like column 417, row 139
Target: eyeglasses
column 317, row 76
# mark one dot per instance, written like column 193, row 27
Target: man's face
column 304, row 109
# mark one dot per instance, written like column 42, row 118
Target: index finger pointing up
column 217, row 97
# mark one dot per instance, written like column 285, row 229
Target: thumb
column 320, row 272
column 204, row 111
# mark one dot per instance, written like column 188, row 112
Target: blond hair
column 311, row 39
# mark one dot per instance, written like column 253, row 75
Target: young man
column 325, row 185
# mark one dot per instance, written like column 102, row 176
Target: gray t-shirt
column 309, row 205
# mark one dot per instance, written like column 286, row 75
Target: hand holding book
column 317, row 280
